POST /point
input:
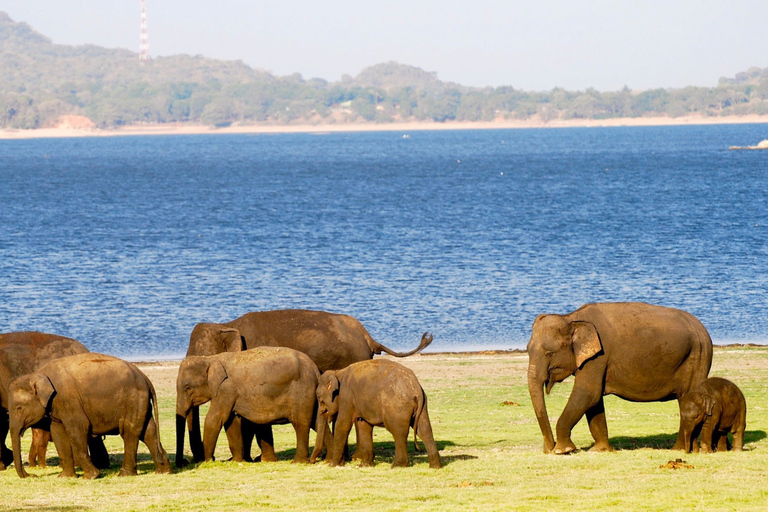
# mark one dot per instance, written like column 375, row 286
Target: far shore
column 184, row 129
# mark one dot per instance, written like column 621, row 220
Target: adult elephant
column 640, row 352
column 22, row 353
column 332, row 341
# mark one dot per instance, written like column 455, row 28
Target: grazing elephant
column 714, row 408
column 379, row 393
column 22, row 353
column 265, row 385
column 83, row 395
column 637, row 351
column 333, row 342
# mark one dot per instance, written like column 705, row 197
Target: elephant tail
column 421, row 404
column 378, row 348
column 153, row 397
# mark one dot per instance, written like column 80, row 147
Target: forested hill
column 41, row 81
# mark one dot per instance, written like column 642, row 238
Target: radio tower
column 143, row 44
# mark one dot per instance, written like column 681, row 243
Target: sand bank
column 183, row 129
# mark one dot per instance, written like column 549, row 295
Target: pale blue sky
column 530, row 45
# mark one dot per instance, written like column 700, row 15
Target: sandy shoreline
column 181, row 129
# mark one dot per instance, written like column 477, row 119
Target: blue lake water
column 125, row 243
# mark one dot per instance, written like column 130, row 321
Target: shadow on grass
column 667, row 441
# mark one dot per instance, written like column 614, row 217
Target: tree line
column 41, row 81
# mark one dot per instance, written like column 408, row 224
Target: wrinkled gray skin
column 714, row 408
column 82, row 395
column 331, row 340
column 638, row 351
column 379, row 393
column 265, row 385
column 22, row 353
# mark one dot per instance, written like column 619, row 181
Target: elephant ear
column 709, row 404
column 232, row 339
column 217, row 374
column 586, row 342
column 333, row 383
column 43, row 388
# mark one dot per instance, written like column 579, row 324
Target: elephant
column 22, row 353
column 714, row 408
column 264, row 385
column 637, row 351
column 333, row 341
column 84, row 395
column 379, row 393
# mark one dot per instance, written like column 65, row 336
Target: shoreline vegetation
column 489, row 441
column 71, row 128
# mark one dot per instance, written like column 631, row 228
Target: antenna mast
column 143, row 44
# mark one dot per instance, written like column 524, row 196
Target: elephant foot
column 564, row 447
column 127, row 472
column 302, row 460
column 91, row 475
column 268, row 457
column 68, row 474
column 601, row 447
column 182, row 462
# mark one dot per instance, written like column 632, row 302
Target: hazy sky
column 530, row 45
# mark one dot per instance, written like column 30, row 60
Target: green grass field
column 489, row 442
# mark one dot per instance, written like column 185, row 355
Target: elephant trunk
column 536, row 380
column 16, row 432
column 181, row 423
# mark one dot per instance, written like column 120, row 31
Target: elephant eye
column 549, row 354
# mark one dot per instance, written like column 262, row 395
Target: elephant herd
column 315, row 370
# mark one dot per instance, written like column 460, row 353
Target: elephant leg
column 364, row 448
column 355, row 455
column 425, row 433
column 738, row 440
column 340, row 434
column 213, row 424
column 680, row 442
column 266, row 442
column 302, row 441
column 99, row 453
column 722, row 441
column 195, row 439
column 130, row 448
column 581, row 400
column 707, row 432
column 248, row 431
column 598, row 427
column 234, row 430
column 6, row 455
column 78, row 438
column 64, row 448
column 151, row 438
column 400, row 431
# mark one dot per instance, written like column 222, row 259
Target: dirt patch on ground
column 676, row 464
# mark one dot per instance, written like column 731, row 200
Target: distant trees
column 41, row 81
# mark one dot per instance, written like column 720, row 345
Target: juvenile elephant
column 84, row 395
column 379, row 393
column 22, row 353
column 333, row 342
column 637, row 351
column 714, row 408
column 265, row 385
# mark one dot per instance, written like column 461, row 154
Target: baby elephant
column 83, row 395
column 714, row 408
column 265, row 385
column 379, row 393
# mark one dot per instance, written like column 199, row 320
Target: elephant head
column 209, row 339
column 558, row 347
column 328, row 395
column 198, row 381
column 29, row 397
column 695, row 407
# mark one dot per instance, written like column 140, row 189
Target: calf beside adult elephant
column 22, row 353
column 332, row 341
column 85, row 395
column 637, row 351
